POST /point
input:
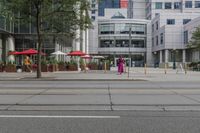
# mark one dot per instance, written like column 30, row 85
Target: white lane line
column 51, row 116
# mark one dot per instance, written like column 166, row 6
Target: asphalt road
column 99, row 95
column 99, row 107
column 99, row 122
column 100, row 84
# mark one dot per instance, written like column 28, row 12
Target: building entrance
column 127, row 60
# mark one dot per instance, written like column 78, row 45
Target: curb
column 56, row 79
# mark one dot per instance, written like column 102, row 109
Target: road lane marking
column 57, row 116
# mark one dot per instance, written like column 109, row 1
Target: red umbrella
column 86, row 56
column 29, row 52
column 14, row 53
column 76, row 53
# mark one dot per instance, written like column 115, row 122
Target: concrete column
column 77, row 41
column 11, row 47
column 1, row 48
column 161, row 56
column 184, row 56
column 87, row 41
column 166, row 56
column 83, row 41
column 56, row 46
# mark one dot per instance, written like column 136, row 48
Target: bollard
column 165, row 68
column 105, row 67
column 185, row 68
column 145, row 69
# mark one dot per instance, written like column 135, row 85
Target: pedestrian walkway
column 137, row 74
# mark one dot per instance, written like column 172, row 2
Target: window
column 177, row 5
column 168, row 5
column 158, row 5
column 152, row 27
column 185, row 21
column 185, row 37
column 188, row 4
column 156, row 40
column 93, row 18
column 197, row 4
column 156, row 25
column 170, row 21
column 93, row 11
column 93, row 5
column 161, row 38
column 107, row 43
column 138, row 29
column 152, row 41
column 106, row 29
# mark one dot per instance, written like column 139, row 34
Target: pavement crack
column 18, row 103
column 110, row 97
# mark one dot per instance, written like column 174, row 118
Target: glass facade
column 185, row 37
column 158, row 5
column 122, row 29
column 188, row 4
column 170, row 21
column 197, row 4
column 177, row 5
column 161, row 38
column 185, row 21
column 107, row 4
column 122, row 41
column 168, row 5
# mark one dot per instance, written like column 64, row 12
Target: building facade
column 136, row 9
column 115, row 40
column 18, row 36
column 168, row 37
column 169, row 19
column 192, row 54
column 156, row 7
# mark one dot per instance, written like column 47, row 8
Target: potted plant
column 61, row 66
column 1, row 66
column 10, row 67
column 71, row 66
column 44, row 66
column 53, row 66
column 82, row 65
column 93, row 66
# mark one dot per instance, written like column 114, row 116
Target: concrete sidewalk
column 137, row 74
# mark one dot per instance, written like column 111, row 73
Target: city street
column 99, row 122
column 99, row 106
column 99, row 95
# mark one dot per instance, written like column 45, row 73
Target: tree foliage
column 195, row 40
column 51, row 17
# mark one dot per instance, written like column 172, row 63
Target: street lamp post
column 129, row 51
column 174, row 58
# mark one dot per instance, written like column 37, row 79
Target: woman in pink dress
column 120, row 63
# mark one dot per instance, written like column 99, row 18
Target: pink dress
column 120, row 65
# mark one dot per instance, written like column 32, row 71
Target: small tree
column 195, row 40
column 50, row 17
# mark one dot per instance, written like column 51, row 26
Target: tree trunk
column 39, row 74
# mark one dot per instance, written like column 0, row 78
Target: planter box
column 10, row 68
column 72, row 68
column 1, row 68
column 53, row 68
column 107, row 67
column 93, row 66
column 61, row 67
column 44, row 68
